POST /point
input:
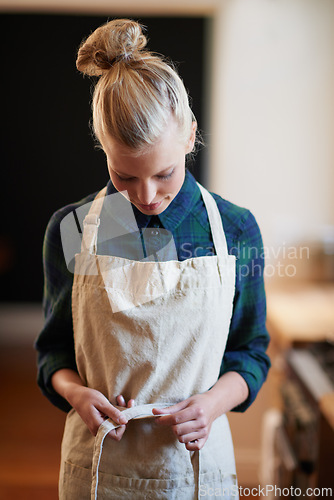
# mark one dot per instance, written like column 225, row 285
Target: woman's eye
column 165, row 177
column 160, row 177
column 124, row 179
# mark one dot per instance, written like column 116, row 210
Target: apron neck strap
column 215, row 220
column 91, row 223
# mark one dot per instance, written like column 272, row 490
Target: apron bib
column 155, row 332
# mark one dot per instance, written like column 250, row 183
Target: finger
column 191, row 427
column 186, row 415
column 116, row 434
column 120, row 400
column 113, row 413
column 170, row 409
column 131, row 403
column 192, row 436
column 96, row 421
column 196, row 445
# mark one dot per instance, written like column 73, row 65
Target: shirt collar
column 170, row 218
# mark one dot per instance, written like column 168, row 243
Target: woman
column 163, row 321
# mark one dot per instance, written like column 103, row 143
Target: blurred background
column 261, row 77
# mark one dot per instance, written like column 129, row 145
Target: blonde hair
column 137, row 92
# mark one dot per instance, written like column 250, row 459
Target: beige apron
column 155, row 332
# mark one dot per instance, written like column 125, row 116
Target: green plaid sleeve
column 55, row 343
column 248, row 337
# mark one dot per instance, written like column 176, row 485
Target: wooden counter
column 300, row 312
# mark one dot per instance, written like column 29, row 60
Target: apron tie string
column 136, row 412
column 196, row 463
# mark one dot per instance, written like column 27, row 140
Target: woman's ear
column 192, row 138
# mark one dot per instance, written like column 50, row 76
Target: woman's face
column 153, row 178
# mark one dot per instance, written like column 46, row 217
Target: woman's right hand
column 92, row 406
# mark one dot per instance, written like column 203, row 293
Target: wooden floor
column 31, row 431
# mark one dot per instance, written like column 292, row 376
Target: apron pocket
column 75, row 482
column 212, row 485
column 116, row 487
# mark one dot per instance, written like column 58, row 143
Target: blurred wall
column 273, row 114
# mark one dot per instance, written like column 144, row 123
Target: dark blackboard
column 48, row 158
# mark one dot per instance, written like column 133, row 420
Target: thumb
column 113, row 413
column 170, row 409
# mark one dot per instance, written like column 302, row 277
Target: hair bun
column 117, row 40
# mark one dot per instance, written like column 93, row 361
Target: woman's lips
column 152, row 206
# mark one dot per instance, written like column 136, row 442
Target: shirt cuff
column 254, row 379
column 253, row 389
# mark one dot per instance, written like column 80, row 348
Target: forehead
column 167, row 152
column 171, row 137
column 152, row 162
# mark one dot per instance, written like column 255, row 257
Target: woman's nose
column 146, row 193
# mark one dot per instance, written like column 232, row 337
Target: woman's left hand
column 190, row 420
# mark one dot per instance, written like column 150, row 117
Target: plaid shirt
column 185, row 222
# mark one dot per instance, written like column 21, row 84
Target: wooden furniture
column 300, row 312
column 301, row 324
